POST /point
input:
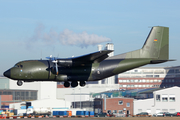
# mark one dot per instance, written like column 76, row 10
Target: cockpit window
column 18, row 65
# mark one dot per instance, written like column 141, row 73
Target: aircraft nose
column 7, row 73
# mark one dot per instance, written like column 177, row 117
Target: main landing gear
column 74, row 84
column 19, row 82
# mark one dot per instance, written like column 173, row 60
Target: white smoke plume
column 67, row 37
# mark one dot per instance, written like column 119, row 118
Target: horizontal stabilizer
column 159, row 61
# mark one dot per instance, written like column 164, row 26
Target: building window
column 177, row 70
column 127, row 104
column 120, row 81
column 120, row 102
column 155, row 80
column 114, row 111
column 159, row 80
column 172, row 110
column 156, row 76
column 165, row 98
column 164, row 110
column 120, row 111
column 171, row 98
column 155, row 85
column 149, row 76
column 132, row 81
column 158, row 98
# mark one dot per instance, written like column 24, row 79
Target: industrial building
column 47, row 95
column 164, row 100
column 41, row 88
column 150, row 77
column 89, row 98
column 118, row 105
column 11, row 93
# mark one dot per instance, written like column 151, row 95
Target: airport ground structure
column 164, row 100
column 115, row 94
column 130, row 85
column 150, row 77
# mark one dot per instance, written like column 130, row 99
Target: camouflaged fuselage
column 95, row 66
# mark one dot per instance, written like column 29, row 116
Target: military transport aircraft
column 95, row 66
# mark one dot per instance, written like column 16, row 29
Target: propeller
column 54, row 60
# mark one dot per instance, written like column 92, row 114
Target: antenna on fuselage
column 41, row 55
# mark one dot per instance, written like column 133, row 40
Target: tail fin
column 157, row 44
column 156, row 47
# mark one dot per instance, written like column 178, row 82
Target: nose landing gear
column 19, row 82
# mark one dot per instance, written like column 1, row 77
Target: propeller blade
column 54, row 60
column 56, row 69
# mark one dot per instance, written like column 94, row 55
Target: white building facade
column 46, row 90
column 165, row 100
column 150, row 77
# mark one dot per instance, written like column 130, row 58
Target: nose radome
column 7, row 73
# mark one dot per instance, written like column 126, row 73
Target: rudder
column 157, row 44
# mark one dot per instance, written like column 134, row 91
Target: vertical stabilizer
column 157, row 44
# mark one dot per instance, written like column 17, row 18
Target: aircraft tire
column 19, row 82
column 74, row 84
column 82, row 83
column 66, row 84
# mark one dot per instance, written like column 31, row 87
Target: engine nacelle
column 62, row 78
column 64, row 62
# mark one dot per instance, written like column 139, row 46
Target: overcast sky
column 34, row 29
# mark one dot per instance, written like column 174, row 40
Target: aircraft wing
column 93, row 57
